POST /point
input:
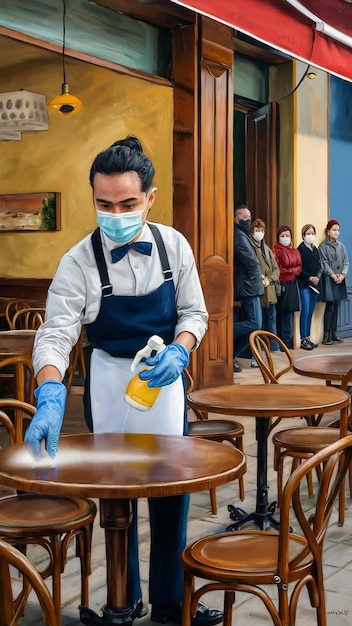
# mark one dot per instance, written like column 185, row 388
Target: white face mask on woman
column 285, row 240
column 258, row 235
column 309, row 239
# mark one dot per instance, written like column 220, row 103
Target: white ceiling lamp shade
column 65, row 103
column 22, row 111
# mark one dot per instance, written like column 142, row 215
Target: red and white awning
column 315, row 31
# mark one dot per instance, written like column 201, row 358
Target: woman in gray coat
column 333, row 285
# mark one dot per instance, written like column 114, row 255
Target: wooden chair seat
column 216, row 430
column 11, row 605
column 48, row 521
column 246, row 561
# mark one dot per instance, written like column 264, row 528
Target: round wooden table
column 115, row 468
column 16, row 342
column 264, row 402
column 327, row 367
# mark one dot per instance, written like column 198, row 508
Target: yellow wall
column 312, row 164
column 59, row 159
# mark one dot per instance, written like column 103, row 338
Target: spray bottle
column 138, row 394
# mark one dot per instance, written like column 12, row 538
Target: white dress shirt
column 75, row 293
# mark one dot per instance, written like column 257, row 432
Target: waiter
column 127, row 281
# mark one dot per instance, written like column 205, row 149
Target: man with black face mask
column 248, row 284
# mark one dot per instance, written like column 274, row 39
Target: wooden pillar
column 203, row 181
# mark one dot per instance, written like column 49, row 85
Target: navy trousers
column 168, row 527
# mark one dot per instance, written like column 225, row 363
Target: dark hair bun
column 131, row 142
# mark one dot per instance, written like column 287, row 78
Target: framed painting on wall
column 30, row 212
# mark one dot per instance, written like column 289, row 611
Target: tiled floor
column 247, row 610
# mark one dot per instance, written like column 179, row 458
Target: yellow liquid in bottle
column 139, row 395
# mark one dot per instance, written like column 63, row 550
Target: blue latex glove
column 46, row 423
column 169, row 363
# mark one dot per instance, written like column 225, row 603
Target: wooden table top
column 16, row 342
column 126, row 465
column 269, row 400
column 326, row 367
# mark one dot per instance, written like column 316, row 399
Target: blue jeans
column 246, row 319
column 308, row 302
column 269, row 323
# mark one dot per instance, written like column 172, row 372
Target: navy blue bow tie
column 144, row 247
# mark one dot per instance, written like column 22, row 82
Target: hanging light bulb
column 65, row 103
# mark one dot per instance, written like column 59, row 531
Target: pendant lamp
column 65, row 103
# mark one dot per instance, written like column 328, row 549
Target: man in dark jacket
column 248, row 281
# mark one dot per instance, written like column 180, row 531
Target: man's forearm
column 49, row 372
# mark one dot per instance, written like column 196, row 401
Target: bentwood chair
column 295, row 443
column 44, row 520
column 28, row 319
column 12, row 307
column 12, row 603
column 256, row 561
column 17, row 372
column 215, row 430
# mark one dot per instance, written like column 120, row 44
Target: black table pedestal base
column 263, row 514
column 263, row 520
column 110, row 617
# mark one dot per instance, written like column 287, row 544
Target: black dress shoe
column 138, row 610
column 173, row 613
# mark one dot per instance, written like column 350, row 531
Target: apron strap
column 164, row 259
column 106, row 286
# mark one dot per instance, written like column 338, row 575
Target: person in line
column 308, row 282
column 289, row 261
column 248, row 285
column 270, row 275
column 127, row 281
column 335, row 265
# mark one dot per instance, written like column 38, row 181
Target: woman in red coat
column 290, row 264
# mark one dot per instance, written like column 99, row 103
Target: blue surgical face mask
column 120, row 227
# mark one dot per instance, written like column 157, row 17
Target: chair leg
column 84, row 553
column 56, row 574
column 239, row 446
column 187, row 597
column 310, row 485
column 279, row 477
column 229, row 599
column 213, row 503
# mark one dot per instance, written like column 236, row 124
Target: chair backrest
column 311, row 525
column 189, row 386
column 271, row 370
column 11, row 607
column 12, row 307
column 13, row 414
column 21, row 369
column 28, row 319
